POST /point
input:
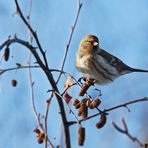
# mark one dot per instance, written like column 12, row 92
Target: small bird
column 96, row 63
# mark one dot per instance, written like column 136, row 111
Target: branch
column 10, row 41
column 112, row 108
column 79, row 5
column 45, row 123
column 44, row 65
column 50, row 79
column 2, row 71
column 126, row 132
column 34, row 34
column 68, row 108
column 32, row 83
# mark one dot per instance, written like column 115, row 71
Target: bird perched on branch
column 96, row 63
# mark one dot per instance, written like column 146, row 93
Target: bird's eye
column 92, row 42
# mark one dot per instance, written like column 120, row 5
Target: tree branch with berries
column 81, row 105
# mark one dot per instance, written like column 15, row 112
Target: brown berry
column 37, row 131
column 77, row 106
column 67, row 97
column 75, row 102
column 6, row 53
column 81, row 136
column 80, row 111
column 13, row 82
column 91, row 106
column 84, row 107
column 85, row 113
column 42, row 135
column 102, row 121
column 85, row 87
column 96, row 102
column 40, row 140
column 84, row 101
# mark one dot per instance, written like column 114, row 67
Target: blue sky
column 122, row 28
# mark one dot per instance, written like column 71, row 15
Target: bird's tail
column 138, row 70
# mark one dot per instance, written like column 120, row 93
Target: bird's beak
column 95, row 43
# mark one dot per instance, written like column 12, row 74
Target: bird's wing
column 114, row 61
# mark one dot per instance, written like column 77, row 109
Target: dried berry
column 84, row 109
column 102, row 121
column 37, row 131
column 96, row 102
column 13, row 82
column 75, row 102
column 6, row 53
column 84, row 89
column 42, row 135
column 81, row 136
column 91, row 106
column 84, row 100
column 40, row 140
column 67, row 97
column 77, row 106
column 85, row 86
column 85, row 113
column 80, row 111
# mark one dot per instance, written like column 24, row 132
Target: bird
column 99, row 65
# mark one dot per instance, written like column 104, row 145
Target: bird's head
column 89, row 43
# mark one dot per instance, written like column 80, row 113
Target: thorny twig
column 126, row 132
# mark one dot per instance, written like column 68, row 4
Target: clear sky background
column 122, row 28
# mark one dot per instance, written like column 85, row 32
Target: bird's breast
column 83, row 61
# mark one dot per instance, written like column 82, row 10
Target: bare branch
column 9, row 41
column 51, row 81
column 34, row 34
column 113, row 108
column 32, row 83
column 68, row 107
column 45, row 123
column 126, row 132
column 118, row 128
column 79, row 5
column 2, row 71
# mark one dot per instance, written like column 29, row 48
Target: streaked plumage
column 94, row 62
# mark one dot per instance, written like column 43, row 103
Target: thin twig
column 31, row 82
column 34, row 34
column 51, row 81
column 10, row 41
column 79, row 5
column 68, row 106
column 46, row 70
column 45, row 124
column 2, row 71
column 126, row 132
column 113, row 108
